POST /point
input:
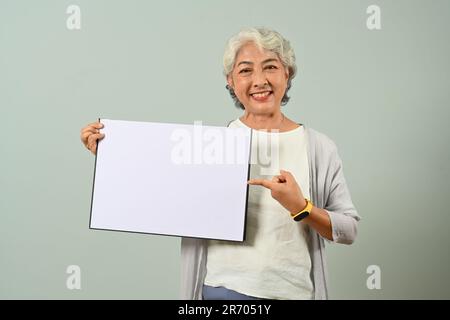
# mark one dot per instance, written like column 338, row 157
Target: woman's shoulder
column 319, row 141
column 234, row 123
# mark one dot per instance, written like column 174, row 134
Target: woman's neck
column 272, row 121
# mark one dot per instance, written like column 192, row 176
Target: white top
column 274, row 261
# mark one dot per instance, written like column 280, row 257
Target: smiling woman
column 259, row 79
column 292, row 208
column 259, row 65
column 290, row 214
column 276, row 51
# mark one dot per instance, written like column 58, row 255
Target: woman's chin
column 261, row 108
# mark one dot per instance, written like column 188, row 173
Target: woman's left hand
column 285, row 190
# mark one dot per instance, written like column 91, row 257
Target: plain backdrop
column 381, row 95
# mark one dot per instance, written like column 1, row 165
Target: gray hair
column 265, row 39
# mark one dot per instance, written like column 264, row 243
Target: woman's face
column 259, row 79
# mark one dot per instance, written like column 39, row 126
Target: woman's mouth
column 261, row 96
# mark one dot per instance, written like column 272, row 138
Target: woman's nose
column 259, row 79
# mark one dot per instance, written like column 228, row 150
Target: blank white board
column 171, row 179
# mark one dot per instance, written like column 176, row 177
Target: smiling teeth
column 261, row 95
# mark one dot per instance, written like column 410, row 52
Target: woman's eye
column 271, row 67
column 245, row 70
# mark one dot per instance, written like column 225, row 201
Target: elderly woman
column 290, row 215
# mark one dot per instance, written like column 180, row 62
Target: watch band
column 304, row 213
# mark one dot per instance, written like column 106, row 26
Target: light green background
column 382, row 96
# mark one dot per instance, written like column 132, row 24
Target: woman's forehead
column 252, row 53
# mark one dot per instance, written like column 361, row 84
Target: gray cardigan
column 328, row 190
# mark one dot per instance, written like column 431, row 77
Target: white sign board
column 172, row 179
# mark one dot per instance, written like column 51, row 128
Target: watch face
column 301, row 216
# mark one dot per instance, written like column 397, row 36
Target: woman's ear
column 230, row 81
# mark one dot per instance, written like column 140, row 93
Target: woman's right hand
column 90, row 135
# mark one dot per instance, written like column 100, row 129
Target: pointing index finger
column 261, row 182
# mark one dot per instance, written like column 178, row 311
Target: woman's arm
column 318, row 219
column 287, row 192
